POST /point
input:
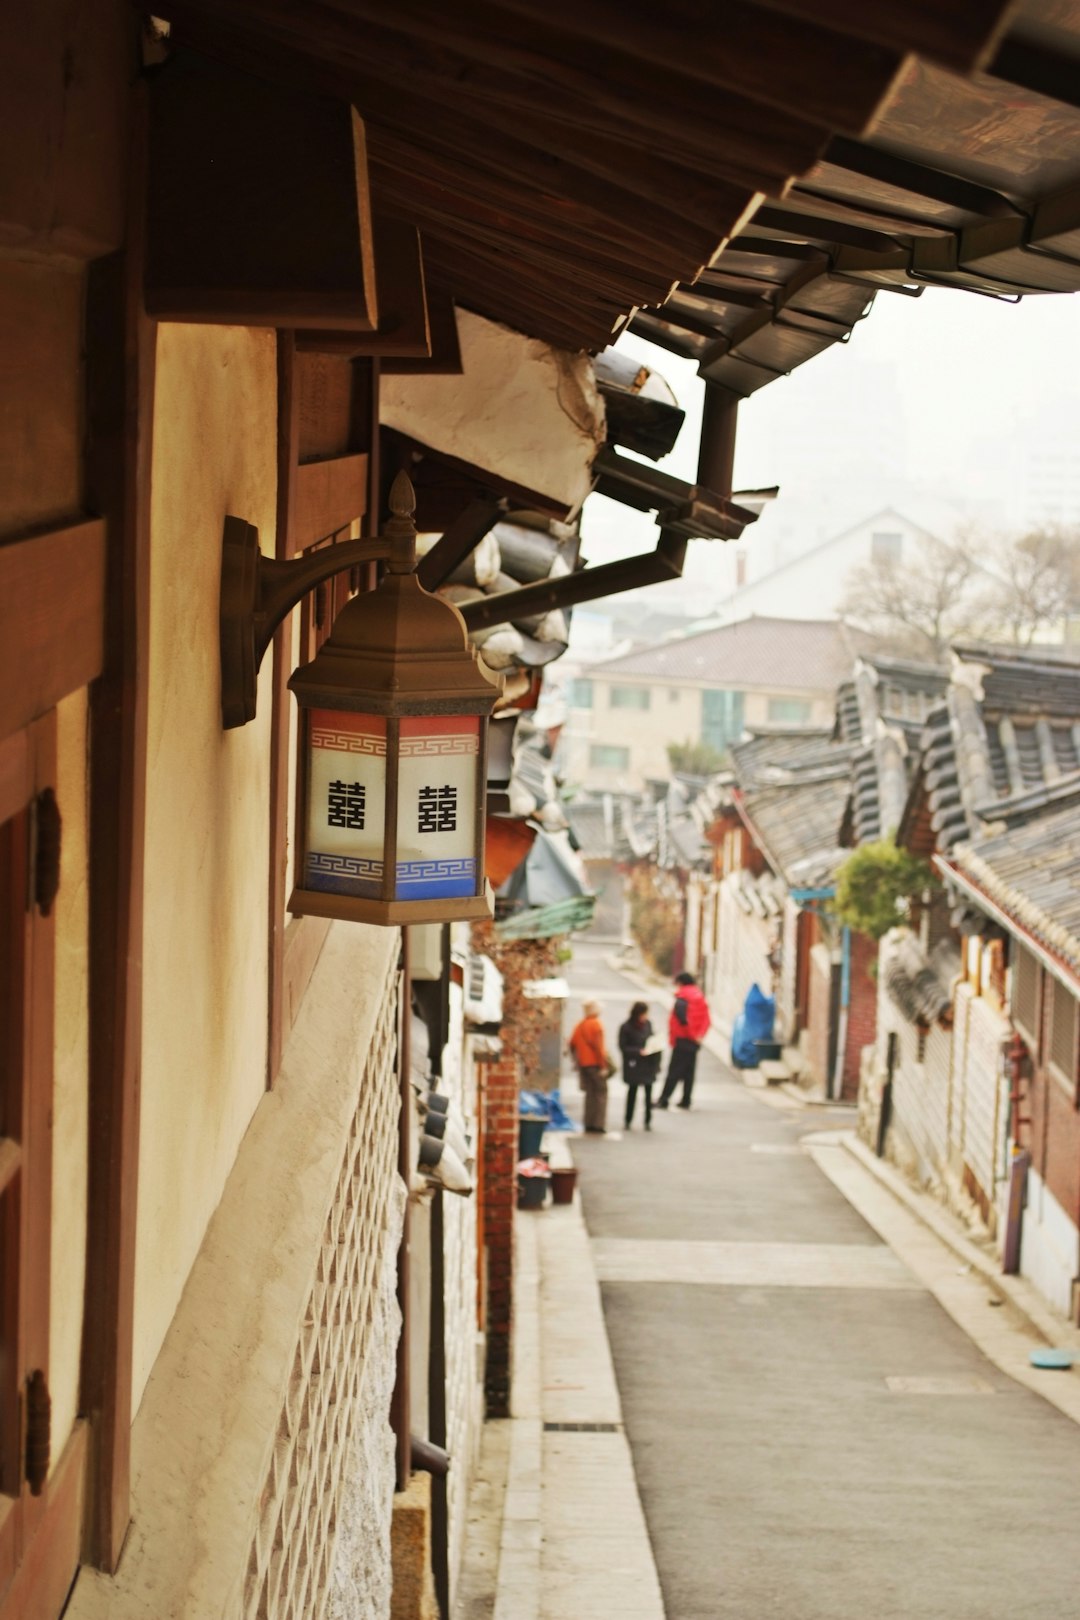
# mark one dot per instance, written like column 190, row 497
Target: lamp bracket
column 257, row 593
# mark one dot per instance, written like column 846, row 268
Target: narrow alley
column 812, row 1434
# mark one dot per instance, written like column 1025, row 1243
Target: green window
column 630, row 697
column 789, row 711
column 581, row 694
column 721, row 718
column 609, row 756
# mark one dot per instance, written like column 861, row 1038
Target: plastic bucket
column 531, row 1128
column 532, row 1190
column 563, row 1182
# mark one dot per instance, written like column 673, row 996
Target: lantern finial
column 400, row 528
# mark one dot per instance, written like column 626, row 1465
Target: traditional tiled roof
column 804, row 655
column 1032, row 871
column 792, row 791
column 884, row 708
column 1002, row 744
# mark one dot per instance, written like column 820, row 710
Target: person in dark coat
column 687, row 1026
column 640, row 1066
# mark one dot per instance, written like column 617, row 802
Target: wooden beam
column 830, row 77
column 121, row 346
column 957, row 35
column 404, row 328
column 328, row 496
column 445, row 360
column 16, row 774
column 43, row 1579
column 564, row 184
column 457, row 542
column 52, row 604
column 258, row 208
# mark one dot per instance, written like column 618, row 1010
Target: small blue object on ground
column 1052, row 1360
column 753, row 1024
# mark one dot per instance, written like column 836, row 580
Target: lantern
column 393, row 754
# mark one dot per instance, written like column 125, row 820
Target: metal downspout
column 837, row 1084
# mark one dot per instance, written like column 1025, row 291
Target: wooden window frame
column 1066, row 1080
column 27, row 770
column 1032, row 1036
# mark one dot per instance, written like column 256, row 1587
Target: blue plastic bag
column 559, row 1119
column 533, row 1102
column 753, row 1024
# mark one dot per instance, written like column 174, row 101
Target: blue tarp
column 754, row 1023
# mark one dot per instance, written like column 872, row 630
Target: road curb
column 1037, row 1316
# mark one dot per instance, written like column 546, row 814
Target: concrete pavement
column 813, row 1434
column 823, row 1409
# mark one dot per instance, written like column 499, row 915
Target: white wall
column 70, row 1076
column 207, row 817
column 812, row 586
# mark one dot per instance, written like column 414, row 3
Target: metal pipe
column 836, row 1085
column 716, row 447
column 587, row 585
column 440, row 1507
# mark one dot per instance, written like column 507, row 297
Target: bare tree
column 1037, row 587
column 918, row 606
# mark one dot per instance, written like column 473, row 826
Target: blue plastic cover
column 753, row 1024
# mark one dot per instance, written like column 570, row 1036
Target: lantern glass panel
column 436, row 830
column 346, row 809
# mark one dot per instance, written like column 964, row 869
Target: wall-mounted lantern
column 393, row 754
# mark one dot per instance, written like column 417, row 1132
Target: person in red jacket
column 687, row 1025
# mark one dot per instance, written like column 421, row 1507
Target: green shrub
column 877, row 886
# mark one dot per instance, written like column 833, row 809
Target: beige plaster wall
column 70, row 1075
column 529, row 413
column 207, row 813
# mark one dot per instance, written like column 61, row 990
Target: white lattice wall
column 464, row 1389
column 921, row 1086
column 262, row 1457
column 292, row 1557
column 979, row 1033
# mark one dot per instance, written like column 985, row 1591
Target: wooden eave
column 566, row 167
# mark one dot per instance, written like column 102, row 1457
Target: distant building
column 705, row 688
column 812, row 586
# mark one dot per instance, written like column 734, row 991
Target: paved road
column 813, row 1437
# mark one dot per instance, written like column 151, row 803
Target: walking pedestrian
column 589, row 1047
column 687, row 1027
column 641, row 1060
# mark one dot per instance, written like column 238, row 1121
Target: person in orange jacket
column 589, row 1047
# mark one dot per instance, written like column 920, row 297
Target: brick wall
column 862, row 1011
column 500, row 1080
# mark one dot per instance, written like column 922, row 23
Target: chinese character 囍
column 345, row 805
column 437, row 809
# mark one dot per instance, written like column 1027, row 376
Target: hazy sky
column 935, row 405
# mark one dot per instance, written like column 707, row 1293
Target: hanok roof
column 794, row 802
column 883, row 709
column 802, row 655
column 964, row 182
column 1032, row 871
column 567, row 165
column 1003, row 745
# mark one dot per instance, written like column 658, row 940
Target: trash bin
column 531, row 1128
column 563, row 1182
column 533, row 1180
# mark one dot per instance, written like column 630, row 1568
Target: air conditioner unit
column 483, row 990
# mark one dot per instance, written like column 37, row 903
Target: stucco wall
column 529, row 413
column 70, row 1076
column 207, row 817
